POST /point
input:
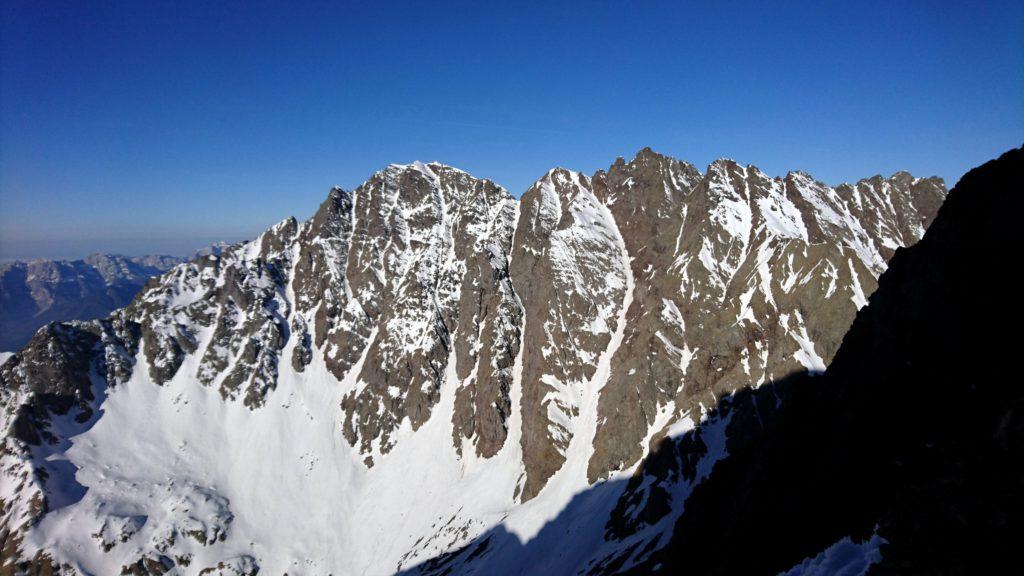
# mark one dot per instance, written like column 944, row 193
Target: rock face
column 429, row 248
column 434, row 358
column 37, row 292
column 741, row 279
column 911, row 442
column 572, row 274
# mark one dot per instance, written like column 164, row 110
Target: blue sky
column 143, row 127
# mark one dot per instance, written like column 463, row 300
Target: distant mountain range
column 36, row 292
column 646, row 369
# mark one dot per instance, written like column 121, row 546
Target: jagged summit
column 900, row 182
column 433, row 358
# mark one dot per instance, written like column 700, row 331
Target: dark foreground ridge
column 915, row 433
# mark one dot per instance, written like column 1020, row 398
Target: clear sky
column 142, row 127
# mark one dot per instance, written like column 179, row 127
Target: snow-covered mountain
column 428, row 360
column 905, row 457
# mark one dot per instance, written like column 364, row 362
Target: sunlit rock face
column 429, row 359
column 905, row 456
column 740, row 279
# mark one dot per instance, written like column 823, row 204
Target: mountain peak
column 646, row 154
column 507, row 354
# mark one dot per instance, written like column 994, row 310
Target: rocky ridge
column 550, row 342
column 907, row 454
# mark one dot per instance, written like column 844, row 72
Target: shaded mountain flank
column 905, row 457
column 438, row 361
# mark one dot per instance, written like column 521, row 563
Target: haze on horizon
column 160, row 128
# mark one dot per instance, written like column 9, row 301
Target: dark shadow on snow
column 628, row 515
